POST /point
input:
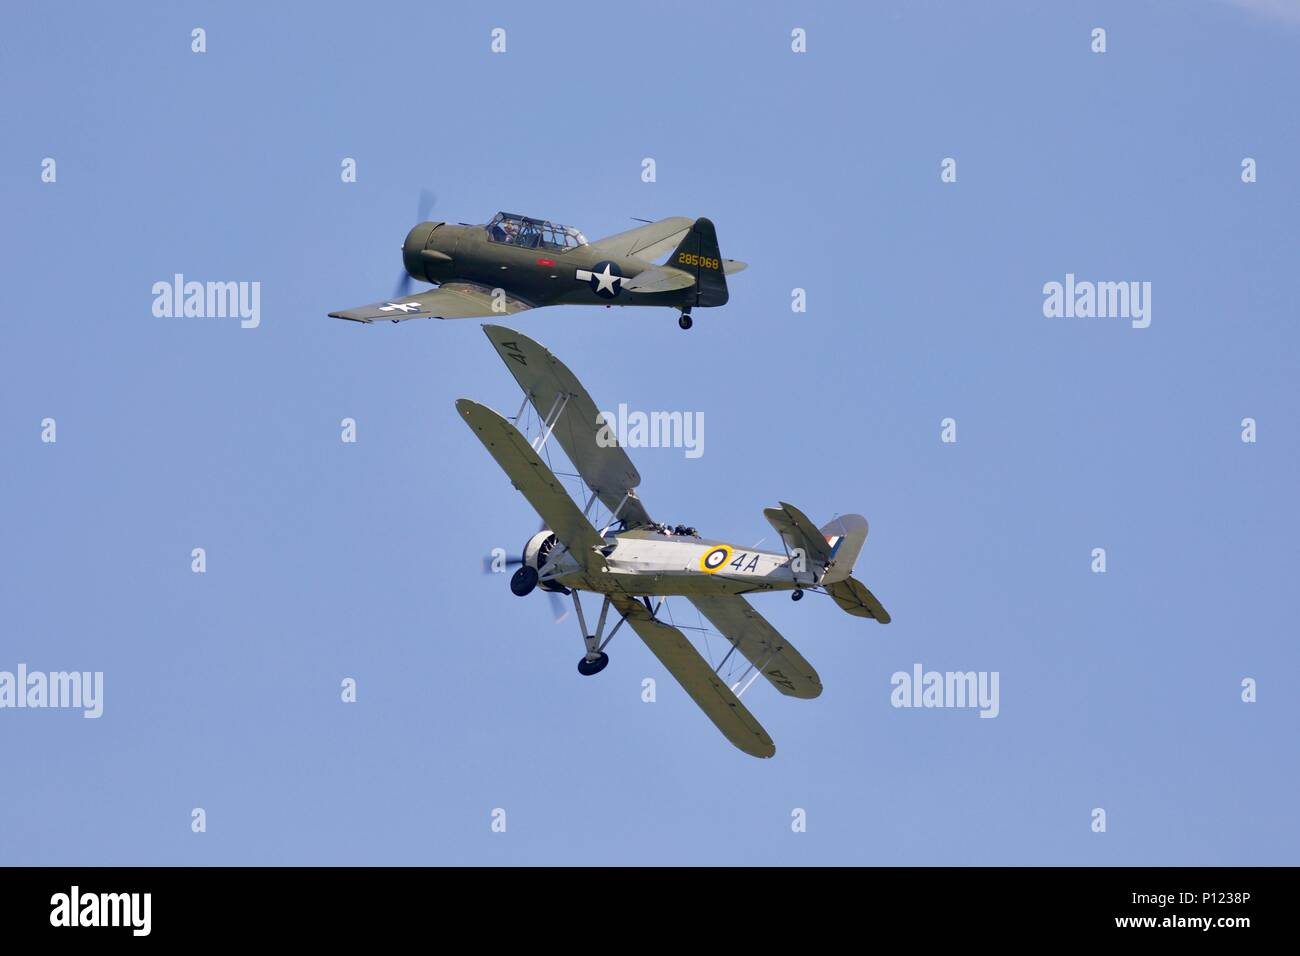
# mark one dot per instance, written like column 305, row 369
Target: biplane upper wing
column 536, row 481
column 594, row 451
column 761, row 643
column 451, row 300
column 647, row 242
column 798, row 532
column 697, row 678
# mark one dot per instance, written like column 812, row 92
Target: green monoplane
column 515, row 263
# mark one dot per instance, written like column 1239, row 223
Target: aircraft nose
column 416, row 241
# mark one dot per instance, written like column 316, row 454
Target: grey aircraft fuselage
column 642, row 562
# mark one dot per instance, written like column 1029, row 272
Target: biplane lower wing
column 535, row 481
column 760, row 643
column 697, row 678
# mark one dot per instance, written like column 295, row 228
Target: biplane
column 634, row 563
column 513, row 263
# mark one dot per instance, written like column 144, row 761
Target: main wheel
column 586, row 668
column 524, row 580
column 797, row 595
column 685, row 321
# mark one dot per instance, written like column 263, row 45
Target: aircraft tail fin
column 699, row 255
column 845, row 536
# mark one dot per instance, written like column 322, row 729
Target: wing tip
column 766, row 751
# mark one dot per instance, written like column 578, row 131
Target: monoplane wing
column 760, row 643
column 536, row 481
column 697, row 678
column 578, row 425
column 451, row 300
column 647, row 242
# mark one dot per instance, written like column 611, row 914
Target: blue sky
column 326, row 560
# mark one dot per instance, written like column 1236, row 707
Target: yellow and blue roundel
column 715, row 558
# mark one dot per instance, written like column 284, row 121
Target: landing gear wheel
column 587, row 668
column 523, row 581
column 685, row 321
column 797, row 595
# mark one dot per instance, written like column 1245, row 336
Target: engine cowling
column 424, row 255
column 536, row 551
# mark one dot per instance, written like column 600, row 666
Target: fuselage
column 644, row 562
column 440, row 252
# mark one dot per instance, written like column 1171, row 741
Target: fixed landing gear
column 523, row 581
column 684, row 320
column 595, row 660
column 797, row 595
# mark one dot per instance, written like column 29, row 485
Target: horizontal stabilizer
column 659, row 279
column 798, row 532
column 852, row 595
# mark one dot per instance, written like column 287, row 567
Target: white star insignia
column 606, row 279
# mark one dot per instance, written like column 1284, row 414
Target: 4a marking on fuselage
column 716, row 558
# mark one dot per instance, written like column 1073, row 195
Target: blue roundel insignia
column 605, row 279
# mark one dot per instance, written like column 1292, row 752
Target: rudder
column 846, row 536
column 698, row 254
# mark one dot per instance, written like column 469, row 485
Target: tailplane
column 846, row 535
column 836, row 547
column 854, row 596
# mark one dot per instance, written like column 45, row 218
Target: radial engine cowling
column 423, row 254
column 536, row 552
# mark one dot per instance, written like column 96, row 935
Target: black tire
column 797, row 595
column 524, row 580
column 685, row 321
column 588, row 668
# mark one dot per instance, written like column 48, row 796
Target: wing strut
column 751, row 672
column 552, row 417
